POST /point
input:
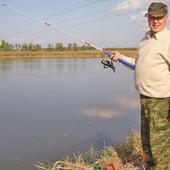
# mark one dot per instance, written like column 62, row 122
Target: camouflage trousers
column 155, row 132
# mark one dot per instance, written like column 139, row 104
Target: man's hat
column 157, row 9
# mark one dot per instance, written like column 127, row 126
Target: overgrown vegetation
column 25, row 51
column 6, row 46
column 125, row 156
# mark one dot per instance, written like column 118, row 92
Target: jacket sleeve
column 129, row 59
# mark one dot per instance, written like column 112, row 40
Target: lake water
column 53, row 107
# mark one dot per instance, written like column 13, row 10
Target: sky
column 105, row 23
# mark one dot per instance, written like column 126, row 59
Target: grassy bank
column 125, row 156
column 59, row 54
column 46, row 54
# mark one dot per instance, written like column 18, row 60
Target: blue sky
column 105, row 23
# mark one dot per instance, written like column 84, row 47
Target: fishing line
column 72, row 9
column 57, row 14
column 110, row 55
column 63, row 21
column 102, row 18
column 35, row 31
column 70, row 19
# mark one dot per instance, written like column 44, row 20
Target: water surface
column 53, row 107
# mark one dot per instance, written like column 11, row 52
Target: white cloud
column 139, row 17
column 128, row 5
column 140, row 7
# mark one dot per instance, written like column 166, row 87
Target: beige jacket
column 152, row 71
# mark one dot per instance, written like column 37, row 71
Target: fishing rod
column 106, row 63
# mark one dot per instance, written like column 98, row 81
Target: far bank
column 61, row 54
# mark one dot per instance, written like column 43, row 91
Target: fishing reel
column 108, row 64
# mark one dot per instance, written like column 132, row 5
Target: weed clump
column 125, row 156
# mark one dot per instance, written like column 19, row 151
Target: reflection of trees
column 84, row 63
column 15, row 65
column 30, row 65
column 75, row 64
column 6, row 65
column 65, row 65
column 55, row 66
column 72, row 65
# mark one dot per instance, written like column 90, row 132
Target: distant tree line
column 5, row 46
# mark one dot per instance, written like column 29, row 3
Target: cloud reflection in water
column 124, row 103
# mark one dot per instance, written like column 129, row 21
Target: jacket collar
column 157, row 35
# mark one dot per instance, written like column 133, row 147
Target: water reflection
column 102, row 112
column 53, row 107
column 123, row 105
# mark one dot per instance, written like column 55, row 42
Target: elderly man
column 152, row 80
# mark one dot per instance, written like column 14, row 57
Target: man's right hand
column 116, row 56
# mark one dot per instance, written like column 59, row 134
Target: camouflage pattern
column 155, row 132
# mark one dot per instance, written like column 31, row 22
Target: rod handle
column 129, row 65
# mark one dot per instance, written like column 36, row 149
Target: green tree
column 59, row 47
column 37, row 47
column 8, row 47
column 2, row 44
column 30, row 47
column 49, row 47
column 75, row 47
column 24, row 47
column 69, row 47
column 17, row 47
column 83, row 47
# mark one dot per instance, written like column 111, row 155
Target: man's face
column 157, row 24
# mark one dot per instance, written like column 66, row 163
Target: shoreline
column 59, row 54
column 49, row 54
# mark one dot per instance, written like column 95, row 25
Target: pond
column 53, row 107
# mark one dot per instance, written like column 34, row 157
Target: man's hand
column 116, row 56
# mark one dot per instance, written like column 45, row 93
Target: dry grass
column 126, row 156
column 57, row 54
column 49, row 54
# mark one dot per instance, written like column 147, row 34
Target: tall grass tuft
column 125, row 156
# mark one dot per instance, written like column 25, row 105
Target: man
column 152, row 81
